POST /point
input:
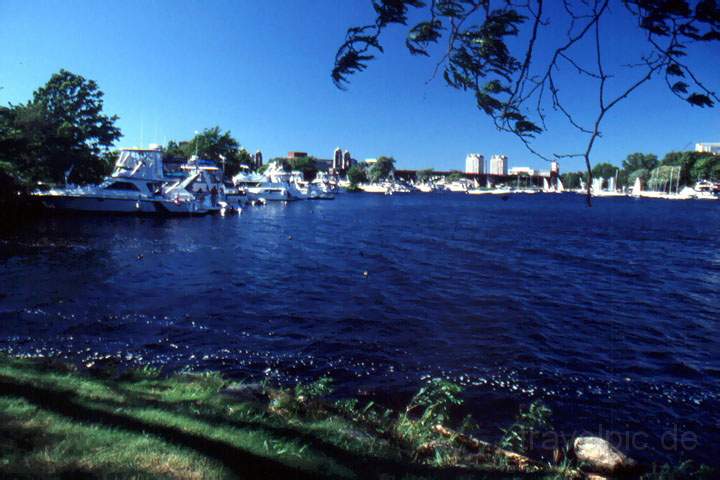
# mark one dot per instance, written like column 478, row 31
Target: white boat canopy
column 243, row 177
column 141, row 164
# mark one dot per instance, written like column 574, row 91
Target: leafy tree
column 175, row 149
column 604, row 170
column 62, row 127
column 23, row 131
column 664, row 177
column 306, row 165
column 75, row 105
column 233, row 165
column 383, row 168
column 109, row 159
column 424, row 175
column 357, row 174
column 455, row 176
column 282, row 162
column 687, row 161
column 213, row 144
column 636, row 161
column 10, row 175
column 641, row 163
column 622, row 178
column 642, row 173
column 515, row 57
column 706, row 168
column 572, row 179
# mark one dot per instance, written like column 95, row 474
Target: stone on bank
column 600, row 456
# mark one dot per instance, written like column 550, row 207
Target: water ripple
column 609, row 314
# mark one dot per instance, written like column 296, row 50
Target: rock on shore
column 600, row 456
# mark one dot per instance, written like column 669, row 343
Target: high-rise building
column 258, row 160
column 346, row 161
column 499, row 165
column 474, row 163
column 337, row 160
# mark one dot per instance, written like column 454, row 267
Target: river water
column 608, row 314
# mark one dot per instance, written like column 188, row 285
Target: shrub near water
column 428, row 408
column 519, row 437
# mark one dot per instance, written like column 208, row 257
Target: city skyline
column 263, row 73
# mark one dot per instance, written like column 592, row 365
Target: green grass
column 57, row 422
column 141, row 426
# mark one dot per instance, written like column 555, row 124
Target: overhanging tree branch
column 479, row 57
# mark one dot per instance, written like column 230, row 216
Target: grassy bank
column 58, row 422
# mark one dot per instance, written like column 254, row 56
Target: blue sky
column 261, row 69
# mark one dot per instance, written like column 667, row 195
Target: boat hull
column 167, row 207
column 143, row 206
column 270, row 195
column 97, row 204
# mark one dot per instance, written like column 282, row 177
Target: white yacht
column 323, row 187
column 273, row 186
column 135, row 186
column 705, row 190
column 317, row 192
column 374, row 187
column 257, row 187
column 120, row 195
column 425, row 187
column 202, row 182
column 304, row 190
column 298, row 187
column 458, row 186
column 388, row 187
column 401, row 187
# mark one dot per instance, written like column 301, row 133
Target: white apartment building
column 498, row 165
column 474, row 163
column 713, row 148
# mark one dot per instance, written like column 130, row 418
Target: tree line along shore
column 687, row 168
column 62, row 135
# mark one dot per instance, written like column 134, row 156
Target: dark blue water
column 608, row 314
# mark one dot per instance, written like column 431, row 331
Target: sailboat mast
column 655, row 180
column 615, row 185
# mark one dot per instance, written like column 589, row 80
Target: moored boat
column 135, row 186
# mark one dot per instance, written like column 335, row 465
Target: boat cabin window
column 122, row 186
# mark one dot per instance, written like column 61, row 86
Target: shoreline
column 276, row 428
